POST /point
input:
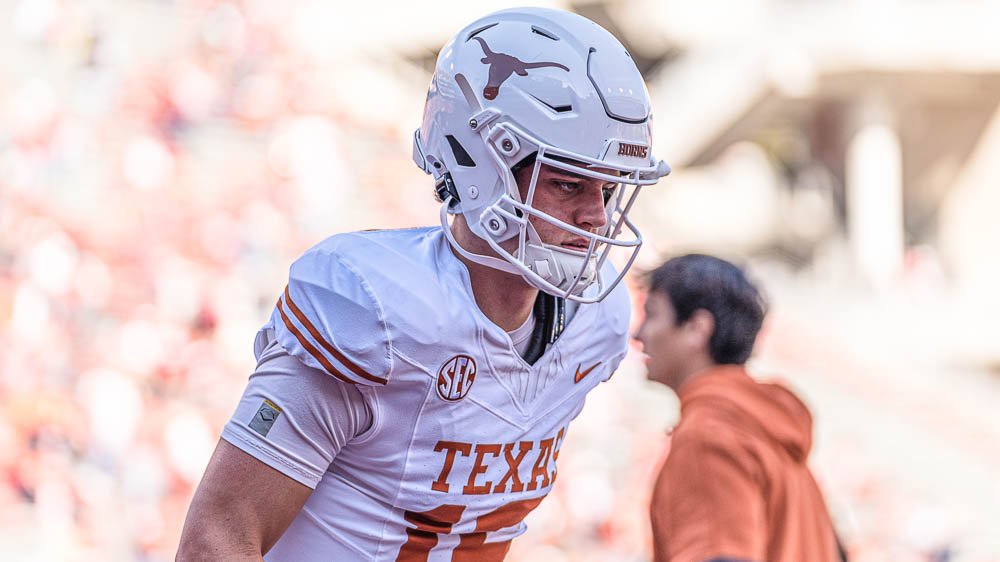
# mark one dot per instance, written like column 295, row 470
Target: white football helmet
column 553, row 85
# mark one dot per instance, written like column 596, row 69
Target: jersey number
column 472, row 547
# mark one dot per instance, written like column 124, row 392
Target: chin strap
column 445, row 189
column 550, row 319
column 490, row 261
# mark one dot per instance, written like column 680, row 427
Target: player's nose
column 591, row 213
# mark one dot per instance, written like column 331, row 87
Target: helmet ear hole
column 433, row 166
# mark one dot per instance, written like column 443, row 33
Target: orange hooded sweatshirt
column 735, row 484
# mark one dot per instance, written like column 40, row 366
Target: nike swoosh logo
column 580, row 374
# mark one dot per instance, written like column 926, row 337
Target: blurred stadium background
column 162, row 162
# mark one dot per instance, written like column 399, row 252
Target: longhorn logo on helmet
column 502, row 66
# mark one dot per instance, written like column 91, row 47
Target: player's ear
column 700, row 327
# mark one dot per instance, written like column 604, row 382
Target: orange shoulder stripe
column 310, row 347
column 354, row 368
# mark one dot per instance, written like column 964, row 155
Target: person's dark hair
column 697, row 281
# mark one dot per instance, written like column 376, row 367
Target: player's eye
column 567, row 186
column 608, row 191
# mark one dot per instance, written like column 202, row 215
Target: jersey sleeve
column 330, row 319
column 708, row 503
column 294, row 418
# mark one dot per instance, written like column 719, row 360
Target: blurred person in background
column 413, row 387
column 735, row 485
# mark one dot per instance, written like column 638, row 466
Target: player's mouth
column 578, row 244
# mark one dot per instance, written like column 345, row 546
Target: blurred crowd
column 161, row 164
column 149, row 205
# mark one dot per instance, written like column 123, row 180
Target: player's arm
column 290, row 424
column 240, row 509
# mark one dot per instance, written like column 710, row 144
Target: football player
column 414, row 387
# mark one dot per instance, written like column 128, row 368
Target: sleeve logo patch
column 265, row 417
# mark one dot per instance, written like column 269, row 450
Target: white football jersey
column 465, row 434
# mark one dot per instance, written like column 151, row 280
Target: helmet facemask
column 555, row 269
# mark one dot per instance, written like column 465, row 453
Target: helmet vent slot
column 470, row 96
column 555, row 107
column 544, row 33
column 461, row 156
column 479, row 30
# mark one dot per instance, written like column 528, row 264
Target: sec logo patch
column 455, row 377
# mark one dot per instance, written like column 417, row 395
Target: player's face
column 572, row 198
column 661, row 340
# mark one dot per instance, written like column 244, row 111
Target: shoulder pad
column 329, row 318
